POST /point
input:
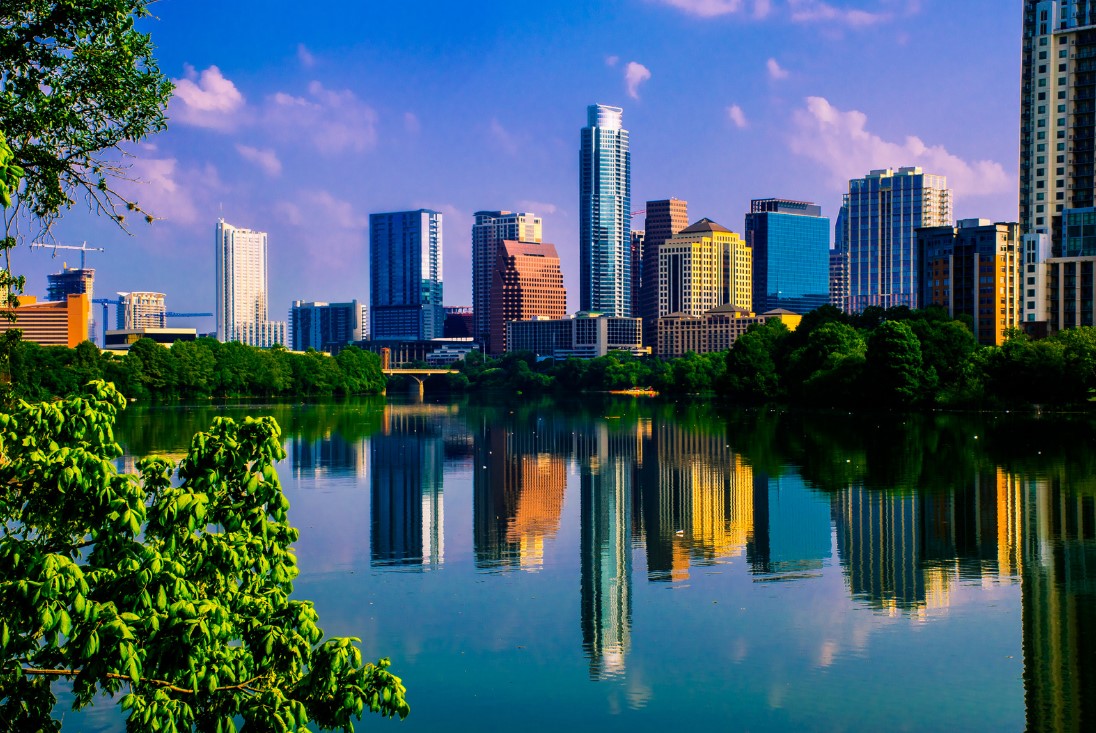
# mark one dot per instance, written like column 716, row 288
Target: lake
column 633, row 564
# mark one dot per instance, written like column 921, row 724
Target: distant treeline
column 192, row 370
column 896, row 358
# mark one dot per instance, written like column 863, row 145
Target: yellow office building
column 703, row 267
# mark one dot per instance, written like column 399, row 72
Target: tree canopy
column 170, row 588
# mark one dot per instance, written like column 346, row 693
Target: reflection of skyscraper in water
column 791, row 526
column 1059, row 607
column 606, row 521
column 905, row 551
column 407, row 510
column 330, row 455
column 519, row 482
column 697, row 501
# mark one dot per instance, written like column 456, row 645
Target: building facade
column 884, row 210
column 326, row 326
column 974, row 269
column 790, row 245
column 716, row 330
column 460, row 322
column 73, row 281
column 1057, row 124
column 241, row 283
column 527, row 283
column 488, row 230
column 141, row 310
column 636, row 253
column 605, row 199
column 583, row 335
column 405, row 275
column 665, row 219
column 702, row 267
column 51, row 323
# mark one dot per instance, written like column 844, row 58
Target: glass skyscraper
column 884, row 210
column 605, row 199
column 791, row 255
column 405, row 276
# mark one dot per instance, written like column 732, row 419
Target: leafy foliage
column 77, row 80
column 170, row 589
column 195, row 369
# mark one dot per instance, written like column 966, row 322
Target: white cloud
column 812, row 11
column 334, row 210
column 776, row 71
column 265, row 158
column 706, row 8
column 612, row 60
column 207, row 99
column 841, row 142
column 332, row 121
column 540, row 208
column 329, row 231
column 411, row 123
column 635, row 74
column 762, row 8
column 171, row 192
column 503, row 137
column 305, row 56
column 737, row 117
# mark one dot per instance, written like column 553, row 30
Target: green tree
column 77, row 82
column 751, row 363
column 172, row 595
column 894, row 364
column 361, row 371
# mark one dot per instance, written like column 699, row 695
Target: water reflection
column 908, row 516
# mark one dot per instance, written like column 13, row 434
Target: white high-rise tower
column 242, row 288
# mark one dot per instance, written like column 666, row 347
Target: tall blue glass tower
column 791, row 255
column 405, row 276
column 605, row 200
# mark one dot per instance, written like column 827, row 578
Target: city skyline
column 370, row 114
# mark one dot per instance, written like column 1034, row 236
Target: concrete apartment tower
column 665, row 219
column 884, row 210
column 489, row 229
column 1057, row 125
column 605, row 199
column 405, row 276
column 241, row 278
column 527, row 283
column 141, row 310
column 703, row 267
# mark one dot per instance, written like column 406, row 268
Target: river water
column 630, row 564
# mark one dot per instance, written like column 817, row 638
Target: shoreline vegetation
column 896, row 359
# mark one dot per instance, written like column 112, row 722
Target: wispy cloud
column 814, row 11
column 635, row 74
column 503, row 137
column 841, row 142
column 737, row 117
column 330, row 230
column 305, row 56
column 540, row 208
column 333, row 121
column 798, row 11
column 206, row 99
column 411, row 123
column 265, row 158
column 175, row 193
column 776, row 71
column 707, row 8
column 612, row 60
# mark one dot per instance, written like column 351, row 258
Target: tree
column 173, row 595
column 894, row 364
column 77, row 81
column 751, row 367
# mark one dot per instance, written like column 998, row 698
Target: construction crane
column 171, row 314
column 117, row 302
column 83, row 249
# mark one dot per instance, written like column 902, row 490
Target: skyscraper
column 241, row 272
column 1057, row 124
column 527, row 283
column 405, row 275
column 885, row 208
column 665, row 218
column 491, row 228
column 605, row 199
column 791, row 250
column 73, row 281
column 141, row 310
column 704, row 266
column 326, row 326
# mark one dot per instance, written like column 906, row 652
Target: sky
column 302, row 124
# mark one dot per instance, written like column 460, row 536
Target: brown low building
column 716, row 330
column 527, row 283
column 51, row 323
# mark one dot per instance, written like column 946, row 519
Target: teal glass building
column 405, row 276
column 791, row 255
column 605, row 199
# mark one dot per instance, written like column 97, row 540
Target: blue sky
column 302, row 123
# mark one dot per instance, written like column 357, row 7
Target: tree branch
column 243, row 686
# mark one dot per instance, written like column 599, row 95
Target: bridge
column 419, row 375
